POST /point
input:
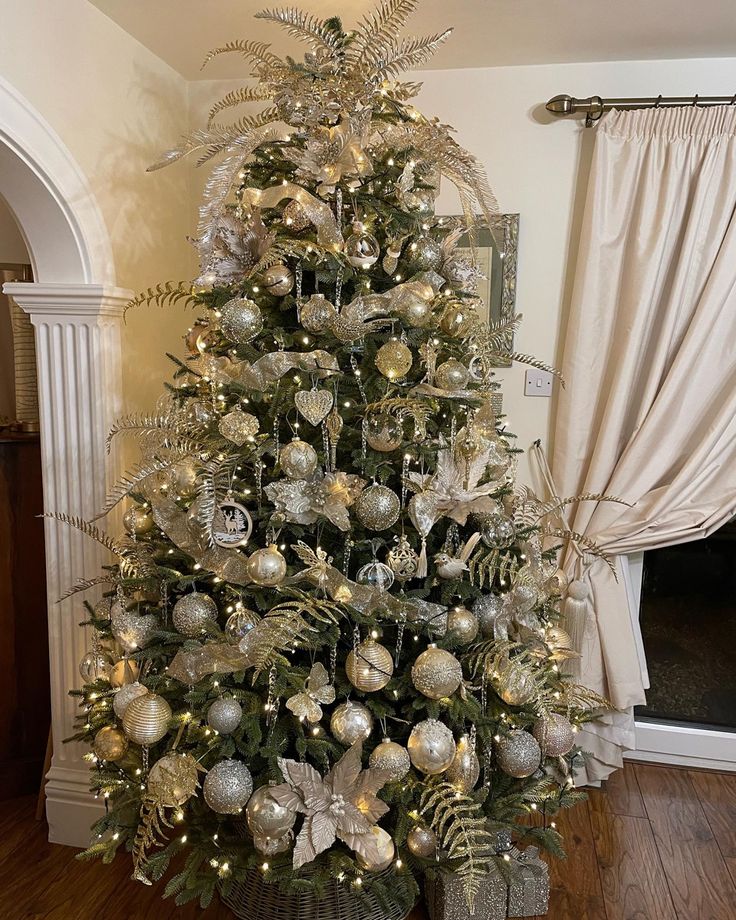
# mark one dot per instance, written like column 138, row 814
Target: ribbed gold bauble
column 146, row 719
column 437, row 673
column 110, row 743
column 394, row 359
column 369, row 666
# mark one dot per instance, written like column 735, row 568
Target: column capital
column 70, row 302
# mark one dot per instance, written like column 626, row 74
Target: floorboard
column 619, row 795
column 717, row 795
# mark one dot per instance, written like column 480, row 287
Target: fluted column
column 77, row 334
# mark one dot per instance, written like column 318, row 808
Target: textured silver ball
column 317, row 314
column 437, row 673
column 95, row 666
column 227, row 787
column 376, row 575
column 425, row 254
column 378, row 507
column 554, row 734
column 239, row 624
column 451, row 375
column 431, row 747
column 278, row 280
column 392, row 758
column 351, row 722
column 125, row 695
column 266, row 817
column 298, row 459
column 138, row 521
column 422, row 841
column 224, row 715
column 462, row 625
column 193, row 613
column 487, row 609
column 133, row 630
column 241, row 320
column 518, row 754
column 380, row 856
column 383, row 432
column 146, row 719
column 464, row 771
column 266, row 567
column 369, row 666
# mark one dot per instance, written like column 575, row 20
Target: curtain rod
column 594, row 106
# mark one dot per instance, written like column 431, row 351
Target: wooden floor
column 655, row 843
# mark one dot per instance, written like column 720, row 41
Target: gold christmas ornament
column 224, row 715
column 317, row 314
column 314, row 405
column 554, row 734
column 422, row 841
column 377, row 507
column 146, row 719
column 241, row 320
column 351, row 722
column 266, row 817
column 267, row 567
column 464, row 771
column 295, row 217
column 514, row 683
column 457, row 319
column 379, row 854
column 557, row 638
column 518, row 754
column 110, row 743
column 437, row 673
column 402, row 560
column 193, row 614
column 123, row 672
column 431, row 747
column 238, row 426
column 183, row 478
column 138, row 521
column 227, row 787
column 369, row 666
column 361, row 248
column 462, row 625
column 278, row 280
column 394, row 359
column 383, row 432
column 451, row 375
column 391, row 758
column 298, row 459
column 173, row 779
column 125, row 695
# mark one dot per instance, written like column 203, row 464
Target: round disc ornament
column 437, row 673
column 227, row 787
column 392, row 758
column 193, row 613
column 369, row 666
column 278, row 280
column 377, row 507
column 351, row 722
column 266, row 817
column 146, row 719
column 554, row 734
column 110, row 743
column 376, row 575
column 241, row 320
column 267, row 566
column 298, row 459
column 232, row 525
column 394, row 359
column 518, row 754
column 383, row 432
column 431, row 747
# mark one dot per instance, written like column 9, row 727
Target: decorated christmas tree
column 327, row 651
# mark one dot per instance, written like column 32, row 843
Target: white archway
column 76, row 311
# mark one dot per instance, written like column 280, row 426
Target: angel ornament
column 317, row 690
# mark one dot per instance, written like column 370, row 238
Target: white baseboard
column 684, row 746
column 71, row 809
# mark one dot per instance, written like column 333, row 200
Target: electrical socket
column 537, row 383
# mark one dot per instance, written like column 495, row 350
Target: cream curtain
column 649, row 412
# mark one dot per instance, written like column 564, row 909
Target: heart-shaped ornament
column 314, row 405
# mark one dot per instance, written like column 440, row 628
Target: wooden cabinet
column 24, row 666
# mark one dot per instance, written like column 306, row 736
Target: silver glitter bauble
column 392, row 758
column 381, row 854
column 554, row 734
column 134, row 631
column 239, row 624
column 462, row 625
column 183, row 478
column 266, row 817
column 497, row 530
column 437, row 673
column 351, row 722
column 146, row 719
column 402, row 560
column 376, row 575
column 383, row 432
column 425, row 254
column 361, row 248
column 422, row 841
column 267, row 567
column 96, row 666
column 451, row 375
column 123, row 672
column 431, row 747
column 227, row 787
column 173, row 779
column 125, row 695
column 270, row 846
column 103, row 607
column 377, row 507
column 224, row 715
column 317, row 313
column 241, row 320
column 193, row 613
column 298, row 459
column 138, row 521
column 278, row 280
column 464, row 771
column 394, row 359
column 110, row 743
column 369, row 666
column 518, row 754
column 487, row 609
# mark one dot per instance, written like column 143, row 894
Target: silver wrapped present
column 528, row 884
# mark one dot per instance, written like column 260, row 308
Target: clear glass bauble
column 375, row 575
column 361, row 248
column 239, row 624
column 497, row 530
column 383, row 432
column 451, row 375
column 266, row 817
column 97, row 665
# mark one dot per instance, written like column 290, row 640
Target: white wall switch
column 537, row 383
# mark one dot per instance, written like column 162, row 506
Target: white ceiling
column 487, row 32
